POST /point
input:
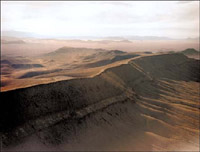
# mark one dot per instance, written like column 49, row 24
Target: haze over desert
column 100, row 76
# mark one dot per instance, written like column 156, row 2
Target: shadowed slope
column 147, row 100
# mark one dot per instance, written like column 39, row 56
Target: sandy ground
column 69, row 65
column 62, row 64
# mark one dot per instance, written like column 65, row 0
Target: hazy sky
column 170, row 19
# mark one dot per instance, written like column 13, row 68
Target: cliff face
column 136, row 88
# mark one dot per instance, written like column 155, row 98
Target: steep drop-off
column 151, row 103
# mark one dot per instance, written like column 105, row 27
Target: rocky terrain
column 62, row 64
column 149, row 103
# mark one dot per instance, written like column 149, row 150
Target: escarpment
column 146, row 89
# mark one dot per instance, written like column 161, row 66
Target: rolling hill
column 61, row 64
column 190, row 51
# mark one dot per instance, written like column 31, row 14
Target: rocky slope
column 151, row 103
column 62, row 64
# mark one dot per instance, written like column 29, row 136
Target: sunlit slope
column 151, row 103
column 62, row 64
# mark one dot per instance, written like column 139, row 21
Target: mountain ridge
column 138, row 84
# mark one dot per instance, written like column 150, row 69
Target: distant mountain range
column 139, row 38
column 20, row 34
column 17, row 34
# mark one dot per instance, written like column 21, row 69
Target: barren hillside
column 150, row 103
column 62, row 64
